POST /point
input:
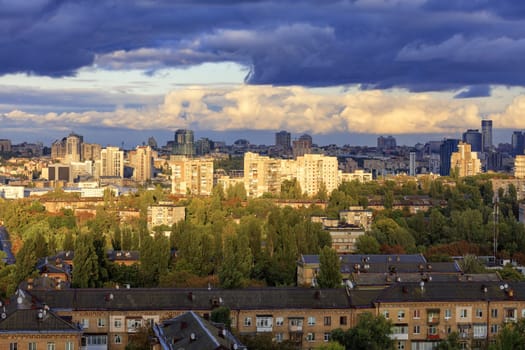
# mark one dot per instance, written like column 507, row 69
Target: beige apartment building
column 141, row 160
column 111, row 162
column 165, row 213
column 422, row 313
column 262, row 174
column 191, row 175
column 519, row 167
column 464, row 161
column 316, row 169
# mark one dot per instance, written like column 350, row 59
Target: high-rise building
column 5, row 145
column 412, row 164
column 473, row 138
column 91, row 151
column 316, row 169
column 518, row 143
column 183, row 145
column 283, row 140
column 519, row 167
column 73, row 148
column 191, row 175
column 111, row 162
column 465, row 162
column 448, row 146
column 203, row 146
column 385, row 143
column 486, row 135
column 302, row 146
column 262, row 174
column 141, row 161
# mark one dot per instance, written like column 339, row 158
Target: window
column 117, row 323
column 13, row 346
column 278, row 337
column 494, row 313
column 310, row 337
column 432, row 330
column 32, row 346
column 279, row 321
column 342, row 320
column 400, row 345
column 479, row 313
column 327, row 321
column 247, row 321
column 85, row 323
column 311, row 321
column 117, row 339
column 297, row 322
column 70, row 345
column 522, row 312
column 417, row 329
column 50, row 346
column 386, row 314
column 494, row 328
column 326, row 337
column 448, row 314
column 101, row 322
column 417, row 314
column 264, row 321
column 463, row 313
column 480, row 331
column 401, row 314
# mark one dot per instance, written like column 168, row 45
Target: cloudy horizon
column 339, row 70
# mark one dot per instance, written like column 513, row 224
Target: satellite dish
column 4, row 315
column 19, row 300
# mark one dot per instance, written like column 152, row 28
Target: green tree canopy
column 329, row 269
column 370, row 333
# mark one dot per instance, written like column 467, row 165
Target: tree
column 451, row 343
column 370, row 333
column 367, row 244
column 512, row 336
column 85, row 263
column 329, row 269
column 26, row 261
column 221, row 314
column 237, row 263
column 330, row 346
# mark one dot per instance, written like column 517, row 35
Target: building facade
column 464, row 162
column 191, row 175
column 111, row 162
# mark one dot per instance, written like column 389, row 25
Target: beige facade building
column 261, row 174
column 519, row 167
column 316, row 169
column 111, row 162
column 359, row 175
column 464, row 161
column 191, row 175
column 91, row 151
column 165, row 214
column 141, row 159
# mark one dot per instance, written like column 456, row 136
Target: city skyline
column 346, row 71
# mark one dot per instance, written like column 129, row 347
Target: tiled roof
column 191, row 332
column 371, row 259
column 192, row 299
column 35, row 320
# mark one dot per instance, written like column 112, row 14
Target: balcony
column 399, row 332
column 433, row 336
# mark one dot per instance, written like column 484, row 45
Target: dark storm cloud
column 414, row 44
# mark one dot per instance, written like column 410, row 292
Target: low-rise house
column 190, row 331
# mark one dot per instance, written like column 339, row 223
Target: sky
column 346, row 72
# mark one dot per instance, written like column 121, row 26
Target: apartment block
column 262, row 174
column 111, row 162
column 165, row 214
column 316, row 169
column 465, row 162
column 519, row 167
column 191, row 175
column 141, row 160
